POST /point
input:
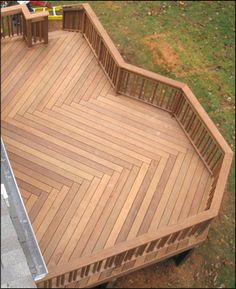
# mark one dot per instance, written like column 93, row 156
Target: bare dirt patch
column 162, row 52
column 165, row 55
column 165, row 274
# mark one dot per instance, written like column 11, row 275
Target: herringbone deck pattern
column 94, row 169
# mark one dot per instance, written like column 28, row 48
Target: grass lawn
column 194, row 42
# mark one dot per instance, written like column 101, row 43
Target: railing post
column 117, row 83
column 29, row 32
column 176, row 103
column 23, row 27
column 63, row 18
column 99, row 48
column 83, row 23
column 45, row 30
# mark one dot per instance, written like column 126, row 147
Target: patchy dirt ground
column 162, row 52
column 165, row 274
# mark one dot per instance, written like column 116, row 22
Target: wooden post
column 63, row 19
column 99, row 48
column 29, row 32
column 23, row 27
column 45, row 30
column 83, row 23
column 117, row 83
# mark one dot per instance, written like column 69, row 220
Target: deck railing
column 17, row 20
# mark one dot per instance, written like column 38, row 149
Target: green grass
column 201, row 36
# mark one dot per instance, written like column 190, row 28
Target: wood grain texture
column 95, row 169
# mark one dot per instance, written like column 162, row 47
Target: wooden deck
column 95, row 169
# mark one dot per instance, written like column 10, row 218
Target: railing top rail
column 153, row 75
column 221, row 183
column 22, row 9
column 29, row 15
column 11, row 10
column 207, row 120
column 100, row 29
column 68, row 7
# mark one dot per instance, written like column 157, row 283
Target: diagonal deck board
column 95, row 169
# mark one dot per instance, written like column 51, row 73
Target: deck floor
column 94, row 169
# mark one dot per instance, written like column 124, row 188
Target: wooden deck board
column 95, row 169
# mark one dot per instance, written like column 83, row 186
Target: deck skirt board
column 95, row 169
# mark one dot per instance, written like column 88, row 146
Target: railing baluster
column 82, row 273
column 201, row 136
column 95, row 265
column 63, row 279
column 119, row 259
column 8, row 26
column 17, row 23
column 140, row 250
column 2, row 28
column 34, row 31
column 185, row 114
column 12, row 26
column 152, row 246
column 216, row 163
column 142, row 88
column 45, row 28
column 191, row 121
column 195, row 130
column 70, row 276
column 162, row 97
column 163, row 242
column 40, row 30
column 111, row 261
column 206, row 146
column 75, row 274
column 86, row 273
column 180, row 106
column 99, row 266
column 154, row 92
column 21, row 24
column 58, row 280
column 212, row 155
column 171, row 98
